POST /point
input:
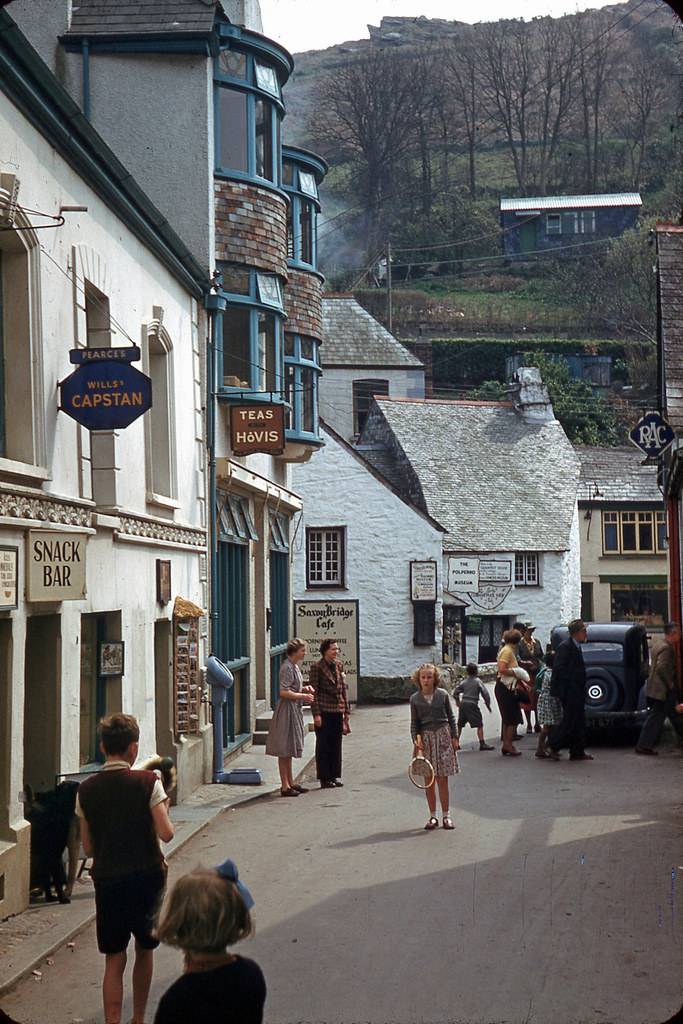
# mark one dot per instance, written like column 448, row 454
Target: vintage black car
column 617, row 661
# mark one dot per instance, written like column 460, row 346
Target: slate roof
column 572, row 202
column 130, row 17
column 352, row 337
column 463, row 452
column 670, row 262
column 617, row 474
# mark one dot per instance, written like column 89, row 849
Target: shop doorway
column 163, row 687
column 42, row 718
column 100, row 694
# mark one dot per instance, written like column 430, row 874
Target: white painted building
column 113, row 520
column 511, row 547
column 370, row 534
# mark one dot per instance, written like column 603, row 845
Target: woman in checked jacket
column 330, row 707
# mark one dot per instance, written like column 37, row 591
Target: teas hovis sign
column 257, row 428
column 55, row 565
column 105, row 392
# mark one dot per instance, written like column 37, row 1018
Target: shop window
column 646, row 603
column 363, row 391
column 526, row 570
column 325, row 557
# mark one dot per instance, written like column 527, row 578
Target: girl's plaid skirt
column 437, row 747
column 549, row 709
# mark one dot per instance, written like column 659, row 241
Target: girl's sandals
column 432, row 823
column 447, row 823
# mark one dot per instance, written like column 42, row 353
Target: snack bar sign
column 105, row 392
column 55, row 565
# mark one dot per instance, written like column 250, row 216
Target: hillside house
column 540, row 225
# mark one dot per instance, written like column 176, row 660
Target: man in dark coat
column 569, row 686
column 662, row 688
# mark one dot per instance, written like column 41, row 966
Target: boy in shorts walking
column 467, row 694
column 123, row 816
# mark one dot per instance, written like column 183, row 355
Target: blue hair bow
column 228, row 869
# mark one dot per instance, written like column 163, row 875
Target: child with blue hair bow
column 207, row 911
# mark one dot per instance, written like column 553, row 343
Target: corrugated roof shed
column 352, row 337
column 466, row 454
column 571, row 202
column 670, row 253
column 128, row 17
column 616, row 475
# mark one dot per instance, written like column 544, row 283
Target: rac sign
column 652, row 434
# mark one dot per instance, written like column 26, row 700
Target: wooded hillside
column 426, row 124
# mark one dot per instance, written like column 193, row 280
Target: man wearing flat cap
column 569, row 686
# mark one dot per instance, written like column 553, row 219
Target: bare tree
column 599, row 53
column 371, row 107
column 460, row 61
column 645, row 90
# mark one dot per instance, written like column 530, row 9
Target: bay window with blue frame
column 302, row 373
column 249, row 335
column 301, row 173
column 248, row 108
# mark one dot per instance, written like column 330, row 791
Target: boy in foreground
column 123, row 816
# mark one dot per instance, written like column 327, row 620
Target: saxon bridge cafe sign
column 105, row 392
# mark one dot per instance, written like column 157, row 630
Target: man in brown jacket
column 662, row 688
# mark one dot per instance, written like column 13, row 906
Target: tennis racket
column 420, row 770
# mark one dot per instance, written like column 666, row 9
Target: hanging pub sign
column 105, row 392
column 257, row 428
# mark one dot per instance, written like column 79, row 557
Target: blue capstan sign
column 652, row 434
column 105, row 392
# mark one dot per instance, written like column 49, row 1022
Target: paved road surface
column 555, row 901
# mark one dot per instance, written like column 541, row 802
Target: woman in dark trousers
column 330, row 707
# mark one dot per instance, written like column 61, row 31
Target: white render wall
column 383, row 535
column 121, row 570
column 336, row 391
column 557, row 600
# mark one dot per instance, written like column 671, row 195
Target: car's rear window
column 601, row 651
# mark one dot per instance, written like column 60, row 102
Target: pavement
column 29, row 939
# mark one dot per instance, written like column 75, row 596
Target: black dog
column 54, row 826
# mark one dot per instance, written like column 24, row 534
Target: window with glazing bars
column 325, row 557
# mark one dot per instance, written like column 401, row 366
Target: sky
column 300, row 25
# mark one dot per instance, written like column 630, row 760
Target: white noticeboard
column 463, row 574
column 315, row 621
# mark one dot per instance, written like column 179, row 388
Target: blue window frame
column 235, row 529
column 279, row 598
column 302, row 374
column 301, row 185
column 248, row 113
column 249, row 335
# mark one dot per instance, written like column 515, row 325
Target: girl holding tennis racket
column 435, row 737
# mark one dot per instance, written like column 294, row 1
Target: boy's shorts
column 128, row 906
column 469, row 715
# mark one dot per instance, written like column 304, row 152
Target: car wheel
column 603, row 692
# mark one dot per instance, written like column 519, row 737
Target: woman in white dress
column 286, row 732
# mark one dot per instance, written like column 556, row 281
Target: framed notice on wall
column 186, row 696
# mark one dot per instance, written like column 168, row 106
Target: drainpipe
column 215, row 305
column 85, row 49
